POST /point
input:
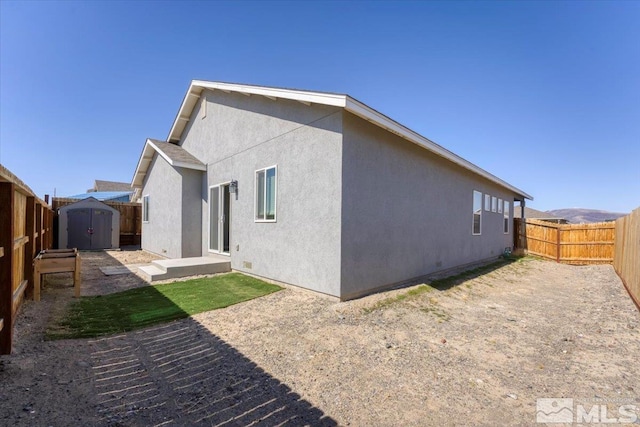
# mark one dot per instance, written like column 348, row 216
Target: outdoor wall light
column 233, row 187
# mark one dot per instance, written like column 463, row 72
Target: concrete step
column 182, row 267
column 151, row 272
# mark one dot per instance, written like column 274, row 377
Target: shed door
column 78, row 226
column 89, row 228
column 101, row 229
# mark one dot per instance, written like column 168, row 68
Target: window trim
column 473, row 214
column 506, row 217
column 499, row 205
column 494, row 204
column 255, row 195
column 487, row 202
column 145, row 209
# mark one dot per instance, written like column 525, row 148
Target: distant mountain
column 578, row 216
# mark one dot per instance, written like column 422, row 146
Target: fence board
column 626, row 259
column 6, row 265
column 567, row 243
column 20, row 213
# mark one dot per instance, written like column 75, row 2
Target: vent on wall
column 246, row 264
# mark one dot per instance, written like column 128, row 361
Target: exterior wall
column 407, row 212
column 191, row 217
column 63, row 221
column 241, row 134
column 162, row 234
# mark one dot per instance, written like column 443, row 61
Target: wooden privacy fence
column 26, row 225
column 626, row 259
column 130, row 218
column 567, row 243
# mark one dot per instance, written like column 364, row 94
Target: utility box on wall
column 88, row 224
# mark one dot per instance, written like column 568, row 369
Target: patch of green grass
column 141, row 307
column 413, row 293
column 441, row 285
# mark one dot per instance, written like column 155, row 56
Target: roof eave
column 350, row 104
column 145, row 159
column 361, row 110
column 198, row 86
column 147, row 156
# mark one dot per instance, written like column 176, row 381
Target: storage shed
column 88, row 224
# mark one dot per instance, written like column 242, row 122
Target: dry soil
column 478, row 353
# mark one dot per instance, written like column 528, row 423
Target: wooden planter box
column 56, row 261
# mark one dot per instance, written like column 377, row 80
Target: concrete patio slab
column 182, row 267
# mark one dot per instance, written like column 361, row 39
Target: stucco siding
column 240, row 135
column 191, row 217
column 162, row 234
column 407, row 212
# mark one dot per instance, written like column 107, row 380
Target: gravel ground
column 479, row 353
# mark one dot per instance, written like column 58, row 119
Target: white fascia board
column 367, row 113
column 174, row 163
column 189, row 166
column 186, row 107
column 197, row 86
column 145, row 161
column 335, row 100
column 143, row 165
column 353, row 106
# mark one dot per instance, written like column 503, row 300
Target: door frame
column 221, row 207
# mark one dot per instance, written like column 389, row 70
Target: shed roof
column 103, row 195
column 91, row 202
column 172, row 153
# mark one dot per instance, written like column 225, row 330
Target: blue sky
column 545, row 95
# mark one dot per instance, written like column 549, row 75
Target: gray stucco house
column 316, row 190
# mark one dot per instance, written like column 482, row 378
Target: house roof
column 325, row 98
column 173, row 154
column 101, row 185
column 103, row 195
column 534, row 214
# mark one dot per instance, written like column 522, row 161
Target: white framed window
column 499, row 205
column 266, row 189
column 494, row 204
column 476, row 228
column 487, row 202
column 506, row 217
column 145, row 208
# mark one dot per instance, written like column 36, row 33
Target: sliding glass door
column 219, row 219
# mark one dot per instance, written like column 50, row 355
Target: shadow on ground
column 181, row 374
column 453, row 279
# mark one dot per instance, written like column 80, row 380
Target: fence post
column 30, row 232
column 558, row 244
column 6, row 265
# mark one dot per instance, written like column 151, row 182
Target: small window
column 494, row 204
column 477, row 213
column 487, row 202
column 266, row 184
column 506, row 217
column 145, row 208
column 499, row 205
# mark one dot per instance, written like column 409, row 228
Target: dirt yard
column 479, row 353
